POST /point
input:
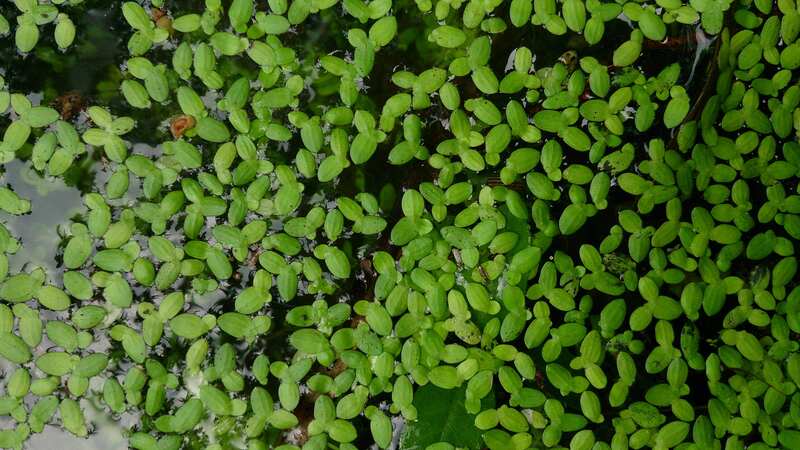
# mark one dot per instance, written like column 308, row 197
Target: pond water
column 108, row 434
column 53, row 204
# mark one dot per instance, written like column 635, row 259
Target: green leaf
column 186, row 23
column 14, row 349
column 337, row 263
column 627, row 53
column 135, row 94
column 188, row 326
column 55, row 363
column 652, row 26
column 676, row 111
column 363, row 147
column 136, row 16
column 442, row 417
column 40, row 116
column 215, row 400
column 572, row 219
column 712, row 13
column 212, row 130
column 309, row 341
column 12, row 203
column 72, row 417
column 447, row 36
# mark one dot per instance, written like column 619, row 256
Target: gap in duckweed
column 108, row 432
column 55, row 204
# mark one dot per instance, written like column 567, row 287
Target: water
column 53, row 204
column 107, row 433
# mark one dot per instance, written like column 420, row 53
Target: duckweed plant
column 417, row 225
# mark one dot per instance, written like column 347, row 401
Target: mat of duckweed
column 323, row 224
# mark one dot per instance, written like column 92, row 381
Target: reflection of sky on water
column 53, row 203
column 106, row 432
column 54, row 437
column 107, row 435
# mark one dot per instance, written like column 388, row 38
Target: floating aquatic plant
column 414, row 225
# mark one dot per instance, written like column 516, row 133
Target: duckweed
column 415, row 225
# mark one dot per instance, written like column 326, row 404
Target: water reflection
column 53, row 204
column 54, row 437
column 108, row 433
